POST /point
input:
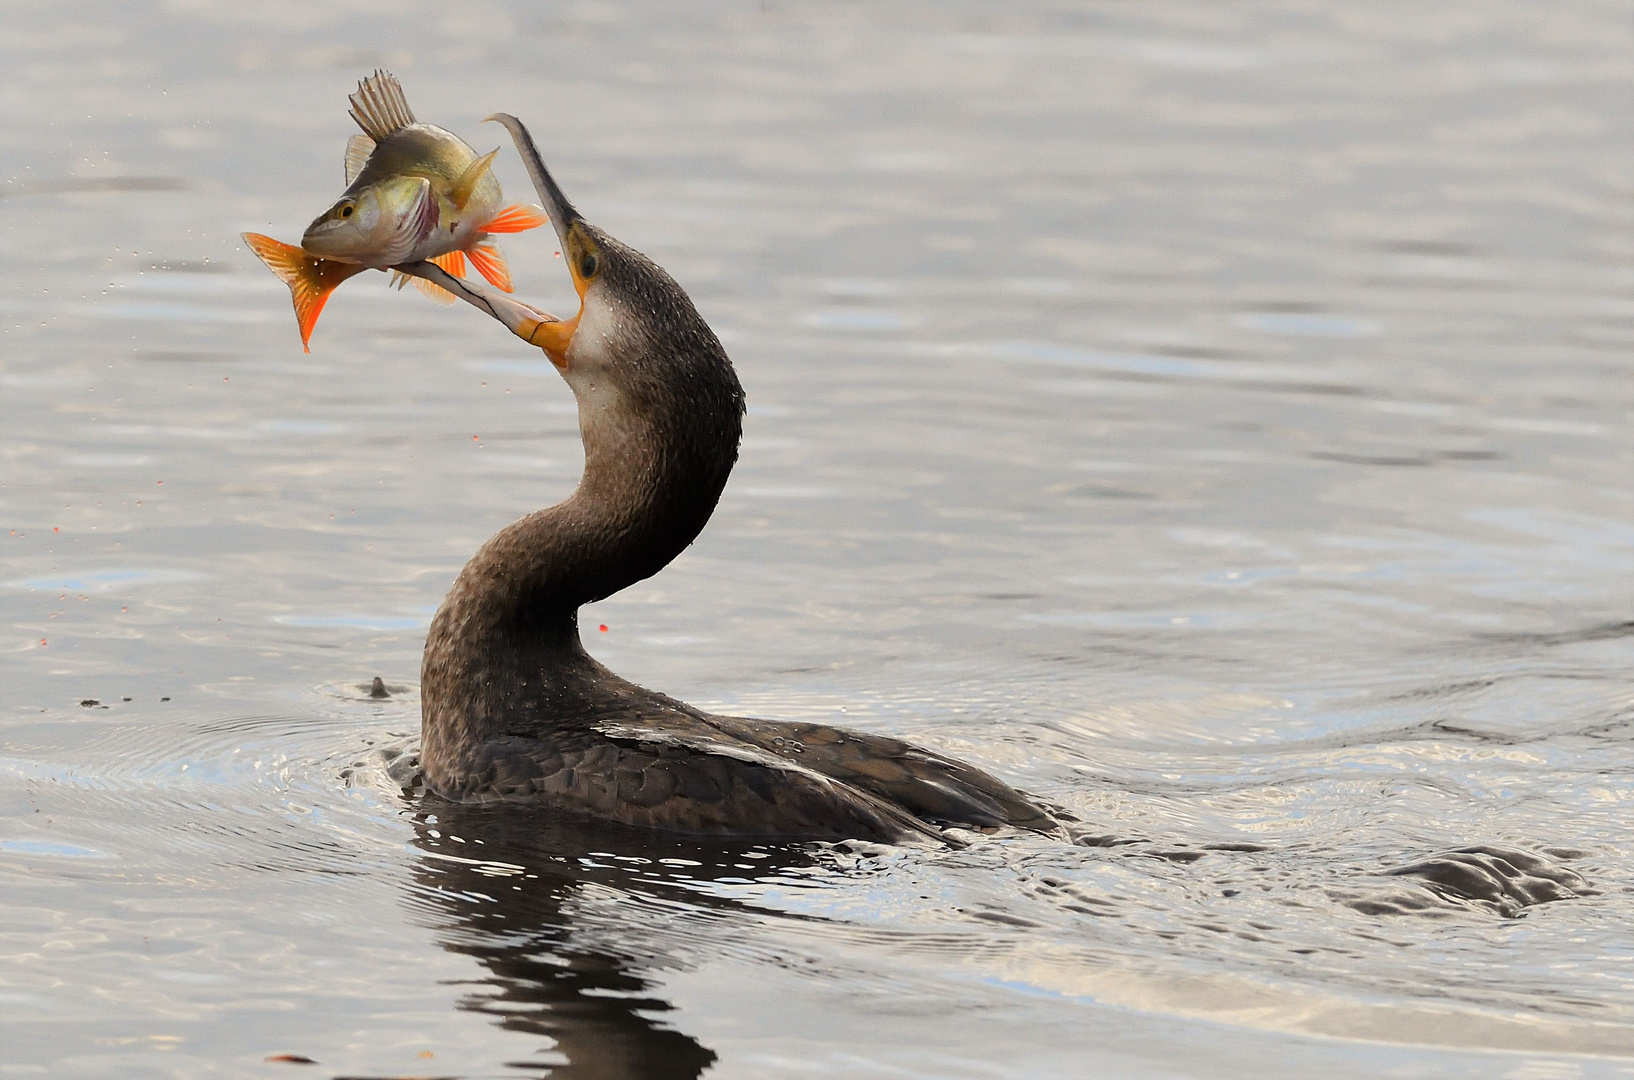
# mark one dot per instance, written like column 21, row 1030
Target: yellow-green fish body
column 414, row 191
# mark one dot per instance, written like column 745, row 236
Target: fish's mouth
column 379, row 228
column 325, row 239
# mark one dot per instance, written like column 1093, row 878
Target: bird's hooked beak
column 579, row 249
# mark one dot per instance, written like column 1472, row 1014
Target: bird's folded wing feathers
column 687, row 783
column 927, row 784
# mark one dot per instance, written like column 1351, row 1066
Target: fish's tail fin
column 491, row 265
column 310, row 279
column 379, row 106
column 516, row 218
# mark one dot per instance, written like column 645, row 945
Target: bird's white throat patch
column 596, row 375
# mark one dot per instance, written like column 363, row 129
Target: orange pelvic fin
column 491, row 265
column 310, row 279
column 454, row 263
column 516, row 218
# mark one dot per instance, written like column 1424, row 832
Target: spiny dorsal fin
column 460, row 193
column 358, row 149
column 379, row 106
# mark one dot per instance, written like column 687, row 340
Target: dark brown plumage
column 515, row 709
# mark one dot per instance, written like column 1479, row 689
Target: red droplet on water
column 604, row 628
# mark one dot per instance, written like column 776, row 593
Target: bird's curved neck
column 646, row 492
column 505, row 643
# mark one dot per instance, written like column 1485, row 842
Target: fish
column 415, row 192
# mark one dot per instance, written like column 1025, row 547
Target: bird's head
column 636, row 342
column 637, row 333
column 599, row 265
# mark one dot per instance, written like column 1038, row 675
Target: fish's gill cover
column 379, row 106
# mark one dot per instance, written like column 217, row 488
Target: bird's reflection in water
column 569, row 918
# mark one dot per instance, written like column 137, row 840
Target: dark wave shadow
column 515, row 892
column 1493, row 878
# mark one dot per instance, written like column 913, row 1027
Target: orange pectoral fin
column 491, row 265
column 310, row 279
column 516, row 218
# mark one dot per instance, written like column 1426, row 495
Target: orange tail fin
column 516, row 218
column 491, row 265
column 310, row 279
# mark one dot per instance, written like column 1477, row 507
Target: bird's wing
column 690, row 784
column 927, row 784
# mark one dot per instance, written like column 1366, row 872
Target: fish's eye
column 346, row 210
column 587, row 265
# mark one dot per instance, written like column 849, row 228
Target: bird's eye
column 587, row 265
column 346, row 211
